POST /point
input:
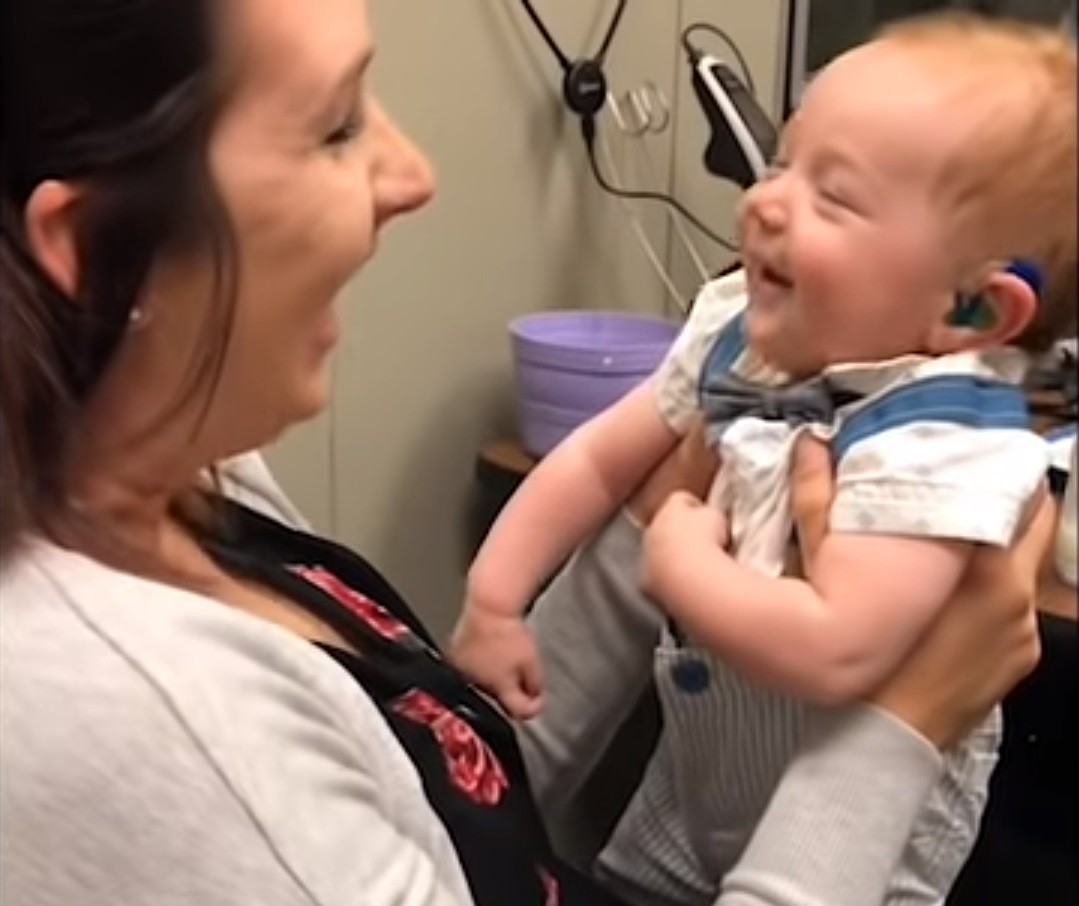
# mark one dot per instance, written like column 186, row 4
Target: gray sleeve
column 596, row 633
column 134, row 815
column 178, row 755
column 838, row 822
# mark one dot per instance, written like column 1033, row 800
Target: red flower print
column 550, row 886
column 473, row 767
column 372, row 613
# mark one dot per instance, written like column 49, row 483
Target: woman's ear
column 50, row 223
column 1003, row 307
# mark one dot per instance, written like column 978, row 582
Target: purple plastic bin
column 570, row 365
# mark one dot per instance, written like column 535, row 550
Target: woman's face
column 310, row 168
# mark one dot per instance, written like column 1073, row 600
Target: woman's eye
column 345, row 133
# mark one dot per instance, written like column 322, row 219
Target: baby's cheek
column 822, row 265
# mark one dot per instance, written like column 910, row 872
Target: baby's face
column 848, row 244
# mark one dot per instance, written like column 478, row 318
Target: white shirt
column 933, row 449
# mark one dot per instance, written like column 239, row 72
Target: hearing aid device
column 972, row 310
column 1029, row 273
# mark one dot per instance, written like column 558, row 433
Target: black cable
column 588, row 123
column 694, row 53
column 563, row 60
column 612, row 29
column 588, row 130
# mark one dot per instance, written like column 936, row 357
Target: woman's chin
column 308, row 398
column 314, row 397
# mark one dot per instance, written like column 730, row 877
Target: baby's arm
column 830, row 639
column 874, row 588
column 568, row 496
column 578, row 486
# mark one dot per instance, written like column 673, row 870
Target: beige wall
column 759, row 30
column 423, row 378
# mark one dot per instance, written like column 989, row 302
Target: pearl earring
column 137, row 319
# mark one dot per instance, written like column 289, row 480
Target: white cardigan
column 159, row 749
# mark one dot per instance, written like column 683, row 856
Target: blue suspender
column 728, row 346
column 968, row 400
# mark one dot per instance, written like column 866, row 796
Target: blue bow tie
column 727, row 397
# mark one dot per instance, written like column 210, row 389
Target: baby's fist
column 497, row 652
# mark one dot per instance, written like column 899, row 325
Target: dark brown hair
column 118, row 97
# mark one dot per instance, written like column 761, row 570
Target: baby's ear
column 1003, row 307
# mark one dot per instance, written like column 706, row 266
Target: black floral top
column 464, row 749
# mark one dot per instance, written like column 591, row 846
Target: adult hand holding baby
column 941, row 696
column 990, row 617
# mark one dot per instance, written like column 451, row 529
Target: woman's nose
column 403, row 179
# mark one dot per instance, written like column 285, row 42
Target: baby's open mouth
column 771, row 275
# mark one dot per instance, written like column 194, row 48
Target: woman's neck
column 131, row 498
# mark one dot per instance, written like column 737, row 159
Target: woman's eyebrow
column 346, row 81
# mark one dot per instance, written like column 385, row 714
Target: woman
column 202, row 705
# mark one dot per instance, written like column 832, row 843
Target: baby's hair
column 1015, row 181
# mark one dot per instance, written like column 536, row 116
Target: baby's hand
column 681, row 532
column 498, row 653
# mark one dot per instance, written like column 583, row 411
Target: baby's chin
column 768, row 295
column 766, row 333
column 778, row 347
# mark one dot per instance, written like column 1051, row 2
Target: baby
column 913, row 245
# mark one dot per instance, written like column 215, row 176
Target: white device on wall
column 743, row 137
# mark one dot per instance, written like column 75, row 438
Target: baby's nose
column 763, row 204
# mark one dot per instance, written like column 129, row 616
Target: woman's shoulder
column 128, row 700
column 71, row 621
column 85, row 644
